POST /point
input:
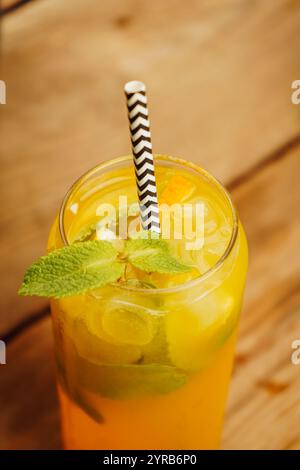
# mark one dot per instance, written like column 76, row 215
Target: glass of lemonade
column 145, row 363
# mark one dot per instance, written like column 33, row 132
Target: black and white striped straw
column 142, row 152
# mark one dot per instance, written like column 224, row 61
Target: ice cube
column 216, row 243
column 99, row 351
column 210, row 226
column 196, row 332
column 128, row 324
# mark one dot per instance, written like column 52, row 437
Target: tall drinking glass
column 147, row 364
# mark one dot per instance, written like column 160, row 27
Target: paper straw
column 142, row 152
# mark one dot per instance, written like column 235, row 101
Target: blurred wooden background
column 219, row 75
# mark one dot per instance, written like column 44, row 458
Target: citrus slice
column 177, row 190
column 128, row 326
column 100, row 351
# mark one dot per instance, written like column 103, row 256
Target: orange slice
column 177, row 190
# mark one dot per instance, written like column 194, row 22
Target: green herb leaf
column 73, row 270
column 78, row 396
column 152, row 255
column 129, row 380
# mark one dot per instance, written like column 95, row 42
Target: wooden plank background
column 219, row 74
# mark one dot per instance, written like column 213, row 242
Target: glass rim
column 180, row 161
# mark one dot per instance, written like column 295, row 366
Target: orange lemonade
column 145, row 362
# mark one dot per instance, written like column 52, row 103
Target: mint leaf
column 73, row 270
column 129, row 380
column 152, row 255
column 87, row 265
column 78, row 396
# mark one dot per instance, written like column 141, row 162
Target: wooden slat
column 219, row 78
column 29, row 407
column 263, row 410
column 264, row 403
column 9, row 6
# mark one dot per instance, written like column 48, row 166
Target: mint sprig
column 73, row 270
column 87, row 265
column 153, row 255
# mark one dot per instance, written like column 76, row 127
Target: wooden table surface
column 219, row 75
